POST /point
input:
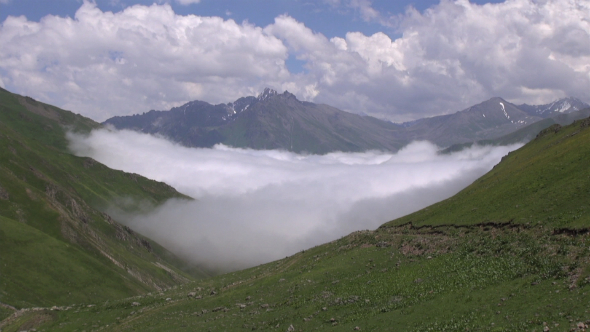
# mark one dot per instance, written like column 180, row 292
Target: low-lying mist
column 256, row 206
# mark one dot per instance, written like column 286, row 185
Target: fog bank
column 256, row 206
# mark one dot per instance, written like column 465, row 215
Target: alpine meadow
column 339, row 165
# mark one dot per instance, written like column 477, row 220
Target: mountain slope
column 280, row 121
column 270, row 121
column 58, row 247
column 488, row 120
column 544, row 183
column 189, row 124
column 468, row 263
column 561, row 106
column 527, row 133
column 283, row 122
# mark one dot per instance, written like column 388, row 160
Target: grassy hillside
column 509, row 253
column 57, row 245
column 546, row 183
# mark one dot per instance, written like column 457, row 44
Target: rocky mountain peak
column 289, row 95
column 267, row 93
column 564, row 105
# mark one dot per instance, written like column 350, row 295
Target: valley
column 294, row 166
column 509, row 252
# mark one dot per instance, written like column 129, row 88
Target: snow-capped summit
column 275, row 120
column 564, row 105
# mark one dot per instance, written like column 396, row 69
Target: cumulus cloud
column 256, row 206
column 453, row 55
column 448, row 57
column 103, row 64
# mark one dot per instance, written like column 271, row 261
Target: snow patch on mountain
column 564, row 107
column 504, row 110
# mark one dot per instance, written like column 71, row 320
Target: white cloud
column 257, row 206
column 368, row 13
column 449, row 57
column 103, row 64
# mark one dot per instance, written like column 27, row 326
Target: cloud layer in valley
column 255, row 206
column 446, row 58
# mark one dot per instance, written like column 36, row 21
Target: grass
column 36, row 267
column 58, row 246
column 545, row 184
column 501, row 279
column 508, row 253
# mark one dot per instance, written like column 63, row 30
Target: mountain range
column 269, row 121
column 281, row 121
column 508, row 253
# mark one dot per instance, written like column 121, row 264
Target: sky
column 396, row 60
column 256, row 206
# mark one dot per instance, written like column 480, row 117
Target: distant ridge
column 268, row 121
column 281, row 121
column 561, row 106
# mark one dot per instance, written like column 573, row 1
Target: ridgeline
column 508, row 253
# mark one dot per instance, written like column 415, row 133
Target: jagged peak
column 289, row 94
column 558, row 101
column 267, row 93
column 270, row 93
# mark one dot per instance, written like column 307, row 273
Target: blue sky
column 320, row 16
column 328, row 19
column 398, row 60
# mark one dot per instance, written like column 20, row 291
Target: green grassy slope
column 450, row 267
column 546, row 182
column 486, row 280
column 36, row 265
column 58, row 247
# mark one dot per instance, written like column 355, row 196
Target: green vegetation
column 57, row 245
column 544, row 184
column 35, row 266
column 391, row 279
column 509, row 253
